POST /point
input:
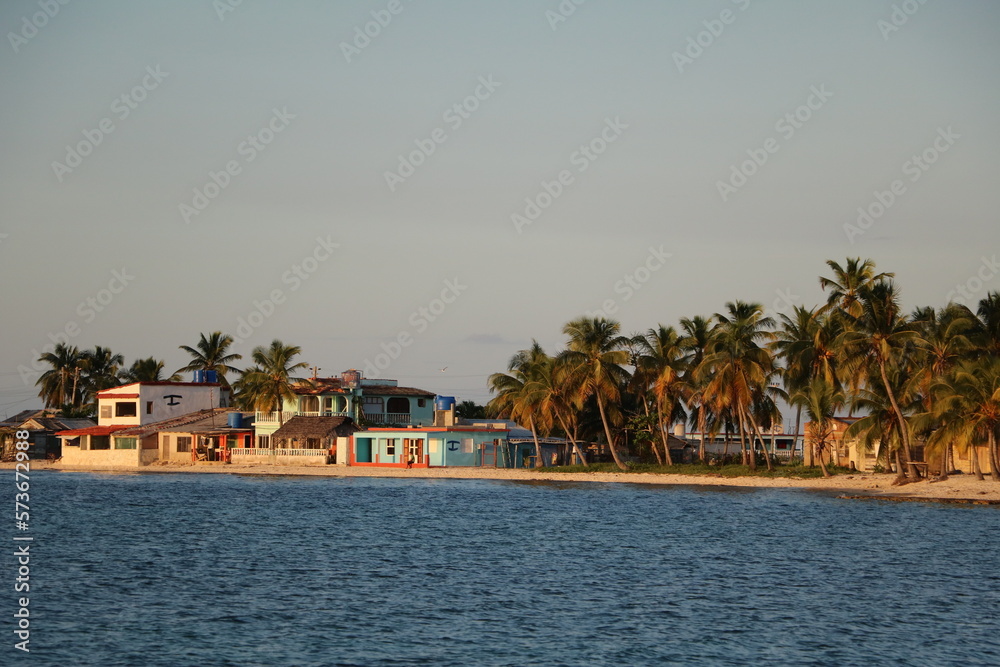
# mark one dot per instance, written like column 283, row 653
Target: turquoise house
column 430, row 447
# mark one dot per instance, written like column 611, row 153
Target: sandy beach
column 957, row 488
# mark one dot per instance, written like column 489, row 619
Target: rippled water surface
column 168, row 569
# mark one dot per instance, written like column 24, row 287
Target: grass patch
column 732, row 470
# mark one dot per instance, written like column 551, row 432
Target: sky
column 418, row 188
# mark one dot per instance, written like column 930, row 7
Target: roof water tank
column 444, row 402
column 211, row 376
column 199, row 377
column 235, row 420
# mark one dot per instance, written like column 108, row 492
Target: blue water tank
column 444, row 402
column 235, row 420
column 211, row 376
column 199, row 377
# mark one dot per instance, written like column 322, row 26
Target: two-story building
column 128, row 419
column 366, row 401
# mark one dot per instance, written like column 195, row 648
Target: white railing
column 265, row 452
column 272, row 417
column 388, row 417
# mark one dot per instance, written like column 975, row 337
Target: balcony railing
column 272, row 417
column 388, row 418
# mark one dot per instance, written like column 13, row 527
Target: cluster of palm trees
column 927, row 381
column 75, row 378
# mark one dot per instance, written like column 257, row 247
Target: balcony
column 272, row 417
column 389, row 418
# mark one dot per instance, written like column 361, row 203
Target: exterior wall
column 167, row 401
column 440, row 447
column 291, row 457
column 103, row 458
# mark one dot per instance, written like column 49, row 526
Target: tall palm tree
column 877, row 337
column 741, row 368
column 101, row 368
column 212, row 354
column 847, row 283
column 515, row 397
column 55, row 384
column 552, row 389
column 943, row 342
column 596, row 352
column 271, row 383
column 821, row 399
column 804, row 342
column 987, row 325
column 968, row 410
column 696, row 341
column 146, row 370
column 661, row 364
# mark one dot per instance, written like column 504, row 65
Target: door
column 415, row 451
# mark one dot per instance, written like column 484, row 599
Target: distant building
column 42, row 427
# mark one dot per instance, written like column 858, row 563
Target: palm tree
column 697, row 339
column 267, row 386
column 552, row 389
column 101, row 368
column 848, row 282
column 968, row 410
column 514, row 397
column 661, row 364
column 66, row 362
column 146, row 370
column 596, row 353
column 804, row 342
column 741, row 368
column 212, row 354
column 821, row 399
column 987, row 325
column 877, row 337
column 943, row 342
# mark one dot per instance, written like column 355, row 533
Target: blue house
column 430, row 447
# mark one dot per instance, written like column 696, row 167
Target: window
column 149, row 407
column 313, row 443
column 125, row 409
column 390, row 446
column 100, row 442
column 125, row 443
column 398, row 405
column 467, row 446
column 105, row 412
column 264, row 441
column 184, row 443
column 434, row 445
column 421, row 402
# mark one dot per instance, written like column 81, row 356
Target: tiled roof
column 92, row 430
column 173, row 423
column 316, row 427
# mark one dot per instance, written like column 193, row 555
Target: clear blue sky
column 310, row 118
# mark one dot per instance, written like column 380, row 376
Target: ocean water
column 184, row 569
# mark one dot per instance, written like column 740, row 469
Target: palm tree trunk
column 572, row 438
column 763, row 444
column 994, row 472
column 701, row 430
column 538, row 447
column 750, row 455
column 795, row 436
column 904, row 431
column 663, row 435
column 974, row 454
column 822, row 464
column 607, row 433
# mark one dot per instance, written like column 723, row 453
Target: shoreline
column 962, row 489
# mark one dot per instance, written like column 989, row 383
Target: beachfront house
column 210, row 436
column 303, row 441
column 42, row 427
column 367, row 401
column 142, row 407
column 430, row 446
